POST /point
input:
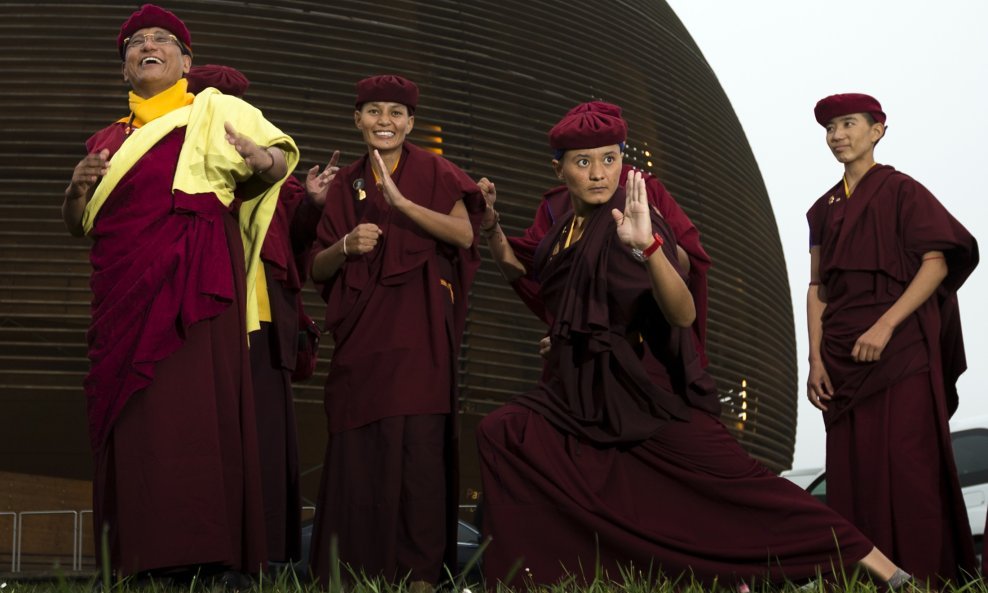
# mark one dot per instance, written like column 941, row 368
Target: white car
column 970, row 440
column 803, row 477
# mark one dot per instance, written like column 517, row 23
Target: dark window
column 819, row 488
column 971, row 455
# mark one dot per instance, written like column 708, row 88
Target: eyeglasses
column 159, row 38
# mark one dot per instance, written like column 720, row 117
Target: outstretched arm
column 453, row 227
column 497, row 241
column 84, row 177
column 634, row 228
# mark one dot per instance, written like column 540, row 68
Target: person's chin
column 385, row 145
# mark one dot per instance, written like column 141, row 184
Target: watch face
column 638, row 254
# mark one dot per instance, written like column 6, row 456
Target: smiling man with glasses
column 139, row 40
column 171, row 414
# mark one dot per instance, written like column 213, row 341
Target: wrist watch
column 641, row 256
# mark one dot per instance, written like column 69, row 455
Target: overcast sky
column 926, row 62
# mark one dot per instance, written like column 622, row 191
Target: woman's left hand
column 391, row 193
column 634, row 226
column 257, row 157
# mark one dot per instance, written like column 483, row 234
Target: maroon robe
column 556, row 204
column 169, row 390
column 890, row 465
column 618, row 455
column 397, row 315
column 273, row 352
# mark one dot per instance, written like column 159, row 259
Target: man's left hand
column 871, row 344
column 257, row 157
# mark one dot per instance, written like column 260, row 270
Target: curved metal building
column 495, row 76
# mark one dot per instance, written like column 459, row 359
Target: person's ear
column 557, row 167
column 877, row 132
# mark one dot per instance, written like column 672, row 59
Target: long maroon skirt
column 278, row 446
column 687, row 501
column 384, row 497
column 890, row 471
column 178, row 482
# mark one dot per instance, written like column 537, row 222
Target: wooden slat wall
column 494, row 77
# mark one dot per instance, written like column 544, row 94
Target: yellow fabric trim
column 147, row 110
column 847, row 190
column 134, row 147
column 263, row 302
column 208, row 163
column 569, row 235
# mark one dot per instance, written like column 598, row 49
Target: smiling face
column 153, row 67
column 590, row 174
column 384, row 125
column 853, row 137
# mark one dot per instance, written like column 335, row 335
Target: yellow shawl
column 208, row 163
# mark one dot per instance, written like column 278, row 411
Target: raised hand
column 257, row 158
column 391, row 193
column 634, row 225
column 86, row 173
column 317, row 183
column 489, row 192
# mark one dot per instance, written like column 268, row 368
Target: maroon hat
column 587, row 129
column 151, row 15
column 225, row 79
column 597, row 106
column 837, row 105
column 390, row 88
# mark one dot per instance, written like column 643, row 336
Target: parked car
column 970, row 440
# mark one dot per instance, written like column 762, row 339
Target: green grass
column 628, row 582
